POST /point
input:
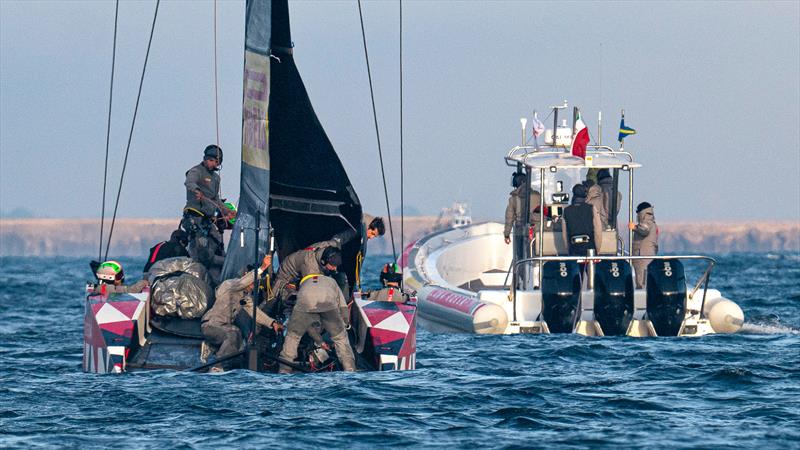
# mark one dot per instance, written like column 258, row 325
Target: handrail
column 542, row 259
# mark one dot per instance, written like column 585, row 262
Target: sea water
column 739, row 390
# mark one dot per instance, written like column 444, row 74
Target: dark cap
column 579, row 190
column 603, row 174
column 213, row 152
column 642, row 206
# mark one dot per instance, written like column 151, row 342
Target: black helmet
column 391, row 274
column 642, row 206
column 213, row 152
column 332, row 256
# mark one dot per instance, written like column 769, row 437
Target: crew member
column 645, row 240
column 319, row 300
column 111, row 278
column 515, row 218
column 174, row 247
column 581, row 228
column 606, row 183
column 391, row 278
column 218, row 324
column 315, row 258
column 203, row 206
column 373, row 226
column 594, row 197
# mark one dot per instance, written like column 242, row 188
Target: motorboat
column 468, row 279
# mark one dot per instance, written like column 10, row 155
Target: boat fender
column 725, row 316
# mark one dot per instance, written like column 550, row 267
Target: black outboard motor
column 666, row 296
column 561, row 293
column 613, row 296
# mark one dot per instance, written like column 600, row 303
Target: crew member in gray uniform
column 319, row 299
column 645, row 240
column 232, row 296
column 514, row 214
column 390, row 276
column 203, row 207
column 606, row 183
column 307, row 261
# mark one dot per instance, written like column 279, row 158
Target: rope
column 133, row 124
column 377, row 133
column 216, row 96
column 402, row 204
column 108, row 131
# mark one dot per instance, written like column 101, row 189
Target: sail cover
column 286, row 156
column 254, row 188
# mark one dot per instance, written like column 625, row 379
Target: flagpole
column 622, row 142
column 599, row 128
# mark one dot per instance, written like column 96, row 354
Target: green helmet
column 110, row 271
column 232, row 207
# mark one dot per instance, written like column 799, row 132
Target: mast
column 255, row 169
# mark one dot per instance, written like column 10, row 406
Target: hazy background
column 713, row 88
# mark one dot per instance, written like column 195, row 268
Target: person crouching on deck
column 391, row 292
column 218, row 324
column 319, row 300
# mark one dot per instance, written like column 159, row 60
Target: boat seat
column 554, row 243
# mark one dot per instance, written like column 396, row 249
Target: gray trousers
column 332, row 321
column 227, row 337
column 640, row 267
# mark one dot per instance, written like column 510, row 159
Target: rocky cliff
column 133, row 237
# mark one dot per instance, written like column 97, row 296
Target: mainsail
column 295, row 164
column 255, row 171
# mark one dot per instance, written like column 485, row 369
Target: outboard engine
column 561, row 293
column 666, row 296
column 613, row 296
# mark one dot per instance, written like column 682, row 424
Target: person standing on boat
column 319, row 300
column 515, row 218
column 203, row 207
column 232, row 296
column 645, row 240
column 606, row 183
column 174, row 247
column 582, row 229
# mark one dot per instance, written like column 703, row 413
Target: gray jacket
column 606, row 185
column 135, row 288
column 230, row 299
column 301, row 263
column 594, row 197
column 645, row 234
column 198, row 178
column 514, row 210
column 318, row 294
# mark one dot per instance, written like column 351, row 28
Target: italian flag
column 580, row 139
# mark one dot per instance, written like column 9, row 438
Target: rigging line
column 216, row 95
column 108, row 131
column 133, row 124
column 377, row 133
column 402, row 207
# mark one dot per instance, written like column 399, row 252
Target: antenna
column 524, row 122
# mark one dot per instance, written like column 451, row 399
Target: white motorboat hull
column 463, row 285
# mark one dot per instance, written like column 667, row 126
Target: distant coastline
column 134, row 237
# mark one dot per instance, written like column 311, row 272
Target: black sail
column 311, row 197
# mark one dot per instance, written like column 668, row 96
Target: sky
column 713, row 89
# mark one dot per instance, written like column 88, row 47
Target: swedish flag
column 624, row 131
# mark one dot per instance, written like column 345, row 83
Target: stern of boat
column 387, row 334
column 113, row 327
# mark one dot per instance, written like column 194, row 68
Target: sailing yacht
column 294, row 192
